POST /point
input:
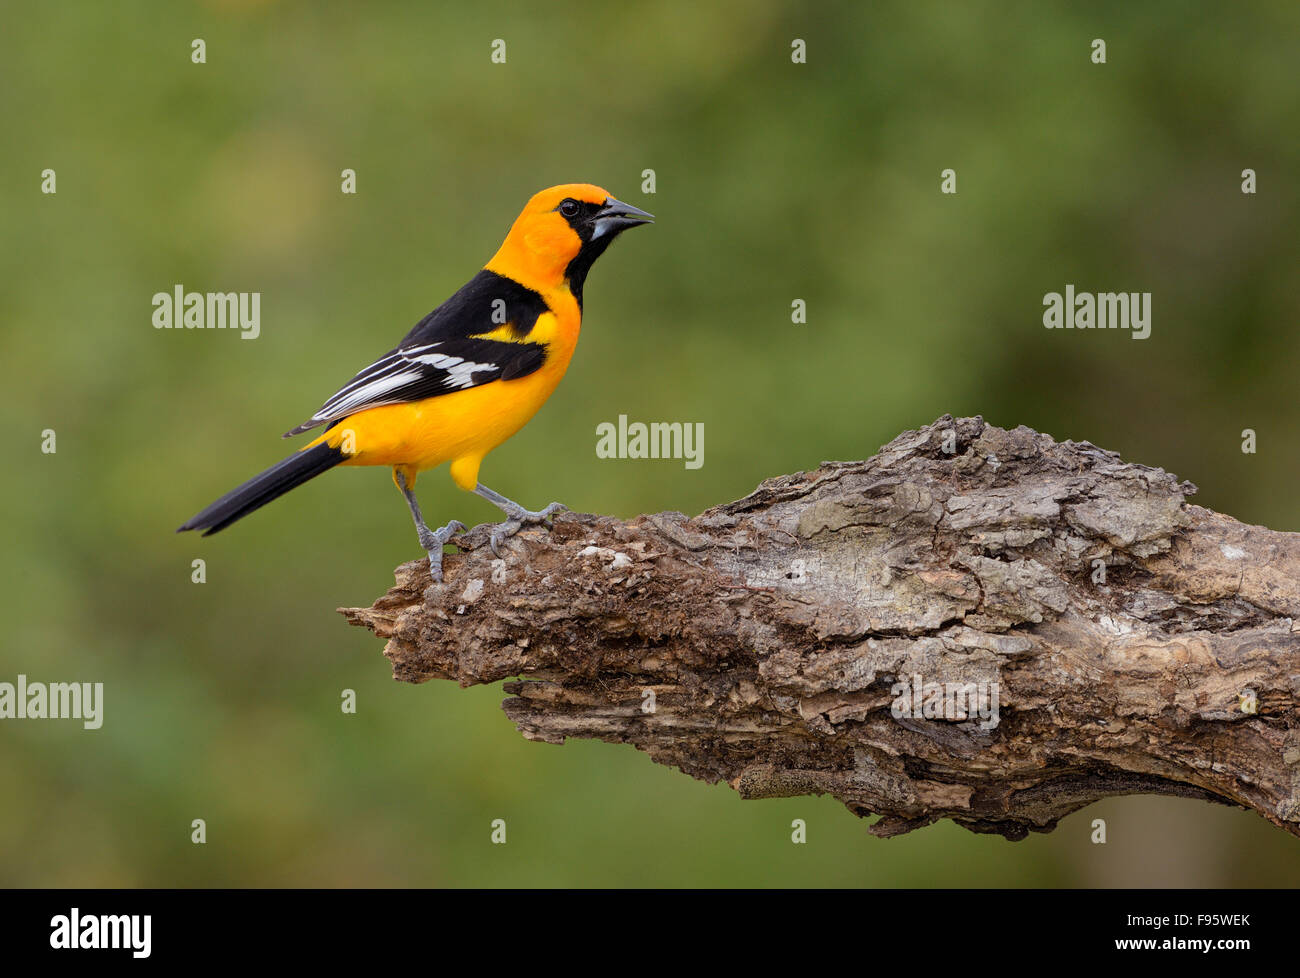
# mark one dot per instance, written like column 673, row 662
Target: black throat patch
column 577, row 269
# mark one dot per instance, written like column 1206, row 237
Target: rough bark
column 772, row 632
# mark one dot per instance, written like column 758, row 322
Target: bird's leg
column 431, row 540
column 516, row 516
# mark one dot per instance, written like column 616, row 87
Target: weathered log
column 1135, row 643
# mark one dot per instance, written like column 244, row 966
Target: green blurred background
column 776, row 181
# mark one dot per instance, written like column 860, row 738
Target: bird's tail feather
column 284, row 475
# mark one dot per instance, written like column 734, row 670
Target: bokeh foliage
column 775, row 181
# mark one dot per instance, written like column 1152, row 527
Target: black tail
column 261, row 489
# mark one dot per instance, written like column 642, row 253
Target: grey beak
column 617, row 216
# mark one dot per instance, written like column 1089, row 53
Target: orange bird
column 466, row 377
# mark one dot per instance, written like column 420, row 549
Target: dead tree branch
column 1136, row 643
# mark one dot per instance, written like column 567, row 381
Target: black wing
column 447, row 352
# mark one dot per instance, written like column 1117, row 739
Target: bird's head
column 561, row 232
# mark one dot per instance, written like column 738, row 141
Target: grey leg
column 516, row 516
column 431, row 540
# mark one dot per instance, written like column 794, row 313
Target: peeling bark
column 774, row 633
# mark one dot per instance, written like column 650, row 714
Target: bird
column 467, row 376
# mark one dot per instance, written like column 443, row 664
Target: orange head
column 560, row 233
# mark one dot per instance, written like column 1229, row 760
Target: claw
column 548, row 512
column 518, row 520
column 433, row 541
column 516, row 516
column 528, row 517
column 502, row 533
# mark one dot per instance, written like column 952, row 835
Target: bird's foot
column 517, row 519
column 433, row 541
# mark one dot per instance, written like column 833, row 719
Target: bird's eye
column 569, row 207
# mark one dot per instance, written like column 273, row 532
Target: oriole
column 466, row 377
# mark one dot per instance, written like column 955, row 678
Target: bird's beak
column 617, row 216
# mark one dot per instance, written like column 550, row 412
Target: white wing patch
column 460, row 372
column 371, row 387
column 425, row 370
